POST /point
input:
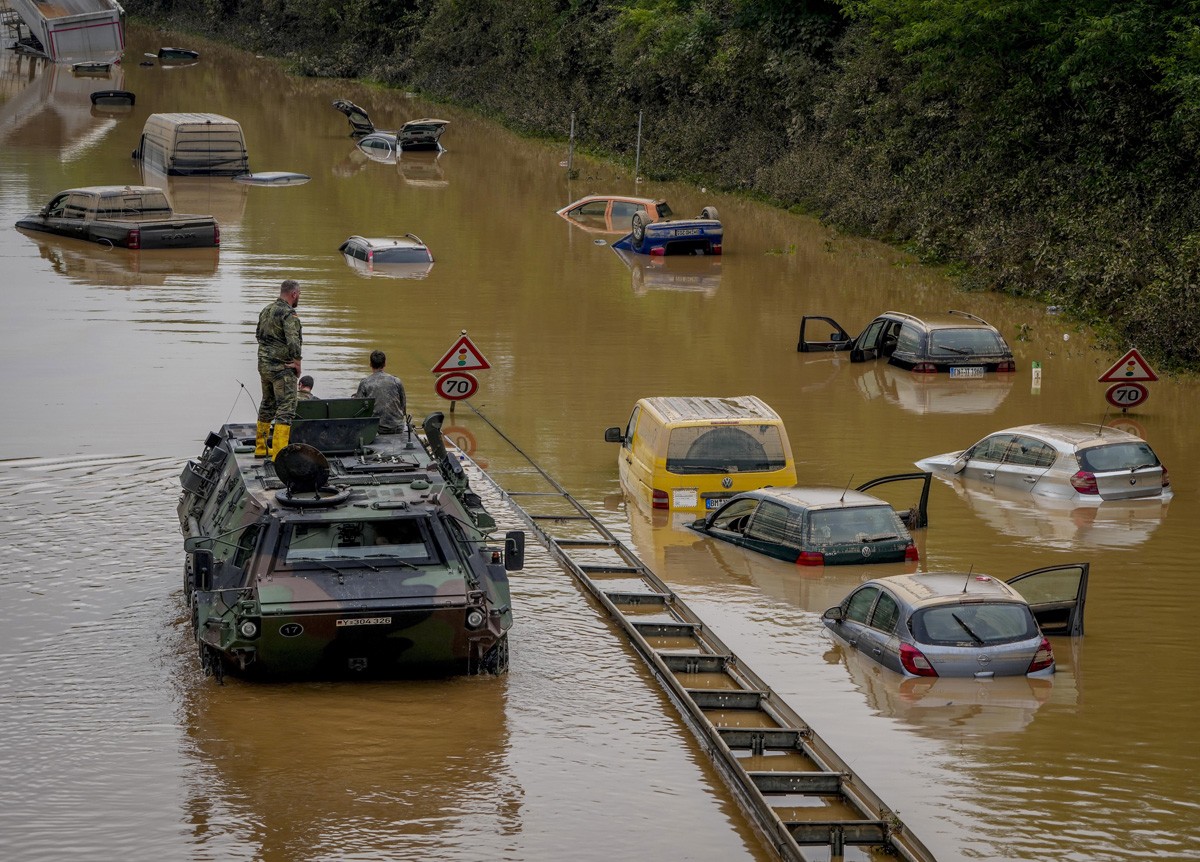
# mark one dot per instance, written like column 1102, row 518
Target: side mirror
column 960, row 463
column 613, row 435
column 514, row 550
column 202, row 567
column 44, row 211
column 837, row 336
column 834, row 614
column 699, row 524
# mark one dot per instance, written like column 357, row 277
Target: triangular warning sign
column 1130, row 367
column 463, row 356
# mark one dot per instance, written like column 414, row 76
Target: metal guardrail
column 796, row 789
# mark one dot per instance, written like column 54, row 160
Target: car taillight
column 810, row 558
column 925, row 368
column 370, row 255
column 216, row 234
column 910, row 553
column 659, row 500
column 1085, row 482
column 658, row 251
column 1166, row 478
column 1008, row 365
column 914, row 661
column 716, row 249
column 1043, row 658
column 134, row 238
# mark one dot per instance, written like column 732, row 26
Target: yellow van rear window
column 726, row 449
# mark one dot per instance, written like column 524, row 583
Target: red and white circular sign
column 1126, row 395
column 456, row 385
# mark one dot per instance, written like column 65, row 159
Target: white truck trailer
column 74, row 31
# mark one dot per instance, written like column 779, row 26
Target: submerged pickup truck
column 128, row 216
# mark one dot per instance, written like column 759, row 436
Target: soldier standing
column 278, row 366
column 391, row 404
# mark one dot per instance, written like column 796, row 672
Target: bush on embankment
column 1043, row 149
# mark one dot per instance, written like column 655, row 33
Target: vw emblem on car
column 866, row 550
column 727, row 483
column 291, row 630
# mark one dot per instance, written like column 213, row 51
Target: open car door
column 1056, row 596
column 916, row 516
column 839, row 339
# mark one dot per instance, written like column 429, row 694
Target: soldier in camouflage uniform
column 278, row 366
column 304, row 389
column 391, row 404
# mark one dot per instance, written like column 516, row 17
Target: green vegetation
column 1042, row 148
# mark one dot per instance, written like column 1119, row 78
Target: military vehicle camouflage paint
column 361, row 555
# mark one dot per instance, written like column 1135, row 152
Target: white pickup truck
column 128, row 216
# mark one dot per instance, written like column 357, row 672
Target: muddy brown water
column 116, row 364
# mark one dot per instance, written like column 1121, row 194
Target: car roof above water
column 819, row 498
column 932, row 588
column 1078, row 435
column 706, row 409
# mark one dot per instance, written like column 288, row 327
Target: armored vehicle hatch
column 354, row 553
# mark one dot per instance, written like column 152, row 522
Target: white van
column 186, row 144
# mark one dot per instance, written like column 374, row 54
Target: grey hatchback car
column 961, row 624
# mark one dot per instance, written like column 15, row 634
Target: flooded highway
column 117, row 364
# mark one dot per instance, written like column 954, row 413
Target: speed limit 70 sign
column 1126, row 395
column 456, row 385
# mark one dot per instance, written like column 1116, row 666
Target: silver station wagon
column 1083, row 463
column 961, row 624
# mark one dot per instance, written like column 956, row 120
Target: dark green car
column 821, row 526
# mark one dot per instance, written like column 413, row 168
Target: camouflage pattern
column 383, row 571
column 391, row 403
column 279, row 341
column 306, row 395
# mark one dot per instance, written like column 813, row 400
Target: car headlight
column 474, row 618
column 248, row 628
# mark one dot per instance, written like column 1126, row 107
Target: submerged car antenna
column 968, row 580
column 842, row 499
column 1100, row 430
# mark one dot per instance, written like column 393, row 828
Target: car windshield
column 1117, row 456
column 974, row 624
column 401, row 538
column 855, row 524
column 400, row 254
column 966, row 342
column 726, row 449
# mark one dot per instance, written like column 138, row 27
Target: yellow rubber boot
column 260, row 439
column 280, row 439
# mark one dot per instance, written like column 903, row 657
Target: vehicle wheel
column 710, row 212
column 495, row 660
column 639, row 231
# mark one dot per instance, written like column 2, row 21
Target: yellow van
column 695, row 452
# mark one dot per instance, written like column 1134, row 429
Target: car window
column 735, row 515
column 854, row 524
column 859, row 606
column 77, row 206
column 56, row 206
column 966, row 342
column 1118, row 456
column 725, row 449
column 989, row 622
column 401, row 254
column 663, row 210
column 994, row 448
column 591, row 208
column 1028, row 452
column 871, row 335
column 772, row 523
column 633, row 418
column 886, row 613
column 625, row 210
column 403, row 538
column 909, row 340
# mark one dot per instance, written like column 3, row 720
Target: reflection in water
column 89, row 263
column 1053, row 522
column 931, row 393
column 349, row 770
column 701, row 273
column 942, row 708
column 215, row 196
column 45, row 104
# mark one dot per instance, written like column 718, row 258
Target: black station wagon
column 956, row 343
column 820, row 526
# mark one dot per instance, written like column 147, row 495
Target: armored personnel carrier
column 353, row 553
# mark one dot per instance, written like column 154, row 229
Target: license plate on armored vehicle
column 967, row 371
